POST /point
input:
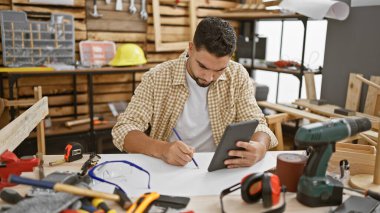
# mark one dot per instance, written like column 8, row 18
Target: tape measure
column 73, row 151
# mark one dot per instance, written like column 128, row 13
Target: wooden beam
column 77, row 13
column 117, row 37
column 105, row 98
column 77, row 3
column 15, row 132
column 328, row 110
column 177, row 21
column 67, row 100
column 353, row 93
column 182, row 40
column 171, row 30
column 161, row 57
column 310, row 86
column 372, row 98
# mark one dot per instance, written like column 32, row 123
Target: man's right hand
column 177, row 153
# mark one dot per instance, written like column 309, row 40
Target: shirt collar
column 180, row 78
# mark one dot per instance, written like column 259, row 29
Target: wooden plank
column 181, row 21
column 67, row 110
column 116, row 25
column 50, row 80
column 67, row 99
column 184, row 39
column 112, row 97
column 173, row 30
column 104, row 78
column 5, row 7
column 161, row 57
column 328, row 110
column 77, row 3
column 360, row 163
column 112, row 88
column 292, row 111
column 203, row 3
column 52, row 89
column 353, row 93
column 77, row 13
column 372, row 98
column 117, row 37
column 310, row 86
column 80, row 35
column 169, row 10
column 377, row 106
column 5, row 1
column 15, row 132
column 101, row 108
column 80, row 25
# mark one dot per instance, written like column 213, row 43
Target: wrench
column 132, row 7
column 143, row 13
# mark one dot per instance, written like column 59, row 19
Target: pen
column 179, row 137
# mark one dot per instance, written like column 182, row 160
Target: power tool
column 315, row 188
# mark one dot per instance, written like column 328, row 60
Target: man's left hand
column 252, row 153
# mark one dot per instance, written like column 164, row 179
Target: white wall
column 291, row 50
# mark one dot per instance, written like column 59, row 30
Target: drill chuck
column 358, row 124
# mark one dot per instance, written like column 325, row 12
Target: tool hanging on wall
column 95, row 13
column 119, row 5
column 132, row 7
column 108, row 1
column 143, row 13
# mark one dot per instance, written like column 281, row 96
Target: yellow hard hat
column 128, row 55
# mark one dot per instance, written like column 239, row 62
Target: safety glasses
column 116, row 172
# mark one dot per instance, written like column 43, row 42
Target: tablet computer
column 242, row 131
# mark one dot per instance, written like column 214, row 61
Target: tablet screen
column 242, row 131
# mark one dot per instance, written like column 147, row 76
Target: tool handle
column 60, row 187
column 31, row 182
column 373, row 194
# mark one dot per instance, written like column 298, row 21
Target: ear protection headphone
column 256, row 186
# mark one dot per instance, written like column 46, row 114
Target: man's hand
column 252, row 153
column 177, row 153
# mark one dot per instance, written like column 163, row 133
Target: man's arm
column 176, row 153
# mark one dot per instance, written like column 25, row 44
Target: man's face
column 204, row 67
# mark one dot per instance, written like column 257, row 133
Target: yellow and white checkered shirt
column 160, row 98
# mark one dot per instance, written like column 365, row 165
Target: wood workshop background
column 118, row 26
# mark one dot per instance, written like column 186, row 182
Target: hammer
column 119, row 195
column 95, row 14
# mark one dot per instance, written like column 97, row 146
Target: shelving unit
column 252, row 18
column 27, row 43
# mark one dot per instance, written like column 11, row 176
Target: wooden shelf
column 281, row 70
column 249, row 15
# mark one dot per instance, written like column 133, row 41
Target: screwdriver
column 371, row 193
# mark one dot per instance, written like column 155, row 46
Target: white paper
column 55, row 2
column 318, row 9
column 181, row 181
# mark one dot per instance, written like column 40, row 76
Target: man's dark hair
column 215, row 35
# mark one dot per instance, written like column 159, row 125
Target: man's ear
column 191, row 48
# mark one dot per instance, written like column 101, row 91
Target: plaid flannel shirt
column 160, row 98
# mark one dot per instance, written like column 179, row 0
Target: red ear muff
column 276, row 189
column 251, row 187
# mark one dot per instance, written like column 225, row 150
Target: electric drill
column 315, row 188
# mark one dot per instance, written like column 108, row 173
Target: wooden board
column 117, row 37
column 161, row 57
column 113, row 78
column 67, row 99
column 328, row 110
column 49, row 80
column 372, row 102
column 310, row 86
column 105, row 98
column 77, row 13
column 353, row 93
column 77, row 3
column 67, row 110
column 15, row 132
column 112, row 88
column 52, row 89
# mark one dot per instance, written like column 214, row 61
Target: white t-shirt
column 193, row 124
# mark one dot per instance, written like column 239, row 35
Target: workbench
column 232, row 203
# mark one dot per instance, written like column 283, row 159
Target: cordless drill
column 315, row 188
